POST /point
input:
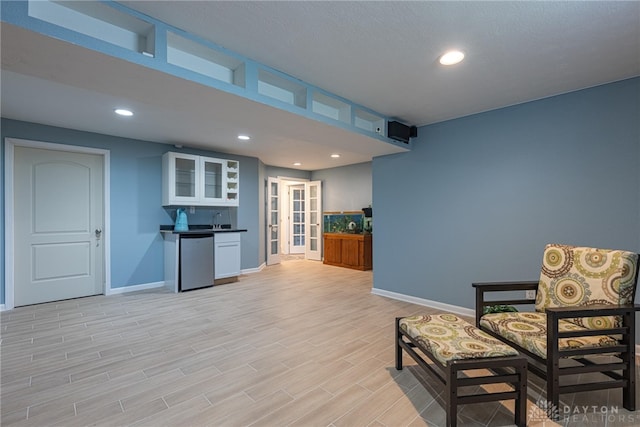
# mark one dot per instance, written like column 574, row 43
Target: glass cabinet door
column 185, row 178
column 192, row 180
column 212, row 179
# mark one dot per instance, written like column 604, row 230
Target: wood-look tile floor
column 299, row 344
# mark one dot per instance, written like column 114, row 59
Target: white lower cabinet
column 226, row 258
column 226, row 255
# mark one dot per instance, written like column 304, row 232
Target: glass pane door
column 273, row 221
column 212, row 180
column 185, row 177
column 297, row 223
column 314, row 226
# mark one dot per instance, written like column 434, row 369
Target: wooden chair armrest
column 591, row 311
column 527, row 285
column 626, row 331
column 483, row 287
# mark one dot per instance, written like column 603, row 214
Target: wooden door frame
column 9, row 237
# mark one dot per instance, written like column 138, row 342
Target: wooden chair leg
column 553, row 385
column 553, row 367
column 629, row 392
column 451, row 396
column 398, row 348
column 521, row 401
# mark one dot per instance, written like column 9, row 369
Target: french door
column 297, row 223
column 273, row 221
column 306, row 226
column 313, row 220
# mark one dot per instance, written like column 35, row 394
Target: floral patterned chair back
column 580, row 276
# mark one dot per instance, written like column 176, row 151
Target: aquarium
column 343, row 222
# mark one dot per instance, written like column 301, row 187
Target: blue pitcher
column 181, row 221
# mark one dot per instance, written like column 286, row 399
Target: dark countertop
column 201, row 229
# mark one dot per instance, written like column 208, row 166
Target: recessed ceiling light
column 123, row 112
column 297, row 164
column 335, row 156
column 244, row 137
column 452, row 57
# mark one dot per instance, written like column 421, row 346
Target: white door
column 273, row 221
column 297, row 216
column 58, row 225
column 313, row 220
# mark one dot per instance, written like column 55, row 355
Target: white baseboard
column 155, row 285
column 258, row 269
column 427, row 303
column 122, row 290
column 134, row 288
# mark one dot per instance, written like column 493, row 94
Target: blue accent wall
column 136, row 200
column 479, row 197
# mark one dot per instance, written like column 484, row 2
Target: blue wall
column 136, row 199
column 345, row 188
column 479, row 197
column 275, row 171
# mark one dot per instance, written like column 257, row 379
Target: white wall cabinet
column 226, row 255
column 190, row 180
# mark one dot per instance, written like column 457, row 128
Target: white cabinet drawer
column 227, row 237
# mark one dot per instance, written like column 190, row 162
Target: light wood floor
column 299, row 343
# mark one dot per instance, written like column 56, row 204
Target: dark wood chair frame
column 508, row 370
column 549, row 369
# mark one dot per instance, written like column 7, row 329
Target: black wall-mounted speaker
column 401, row 132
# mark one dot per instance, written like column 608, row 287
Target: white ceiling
column 382, row 55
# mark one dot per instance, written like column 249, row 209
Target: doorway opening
column 294, row 227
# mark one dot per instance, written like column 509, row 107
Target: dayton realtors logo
column 544, row 411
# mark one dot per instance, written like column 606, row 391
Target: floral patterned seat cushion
column 580, row 276
column 448, row 337
column 529, row 331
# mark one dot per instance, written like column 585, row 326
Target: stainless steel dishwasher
column 196, row 261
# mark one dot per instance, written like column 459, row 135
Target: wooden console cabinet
column 348, row 250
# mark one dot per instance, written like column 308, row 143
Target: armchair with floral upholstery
column 583, row 322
